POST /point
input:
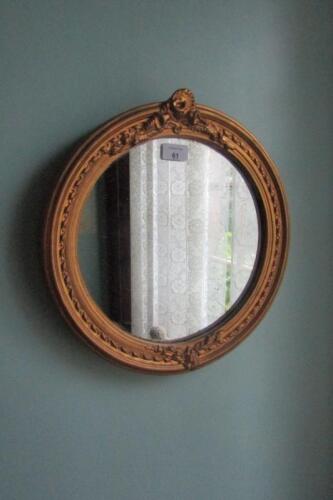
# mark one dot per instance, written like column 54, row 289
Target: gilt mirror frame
column 179, row 117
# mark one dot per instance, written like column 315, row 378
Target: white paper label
column 174, row 152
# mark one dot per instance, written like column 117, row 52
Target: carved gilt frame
column 181, row 117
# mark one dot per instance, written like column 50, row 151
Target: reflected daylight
column 168, row 239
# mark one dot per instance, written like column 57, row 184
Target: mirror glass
column 168, row 239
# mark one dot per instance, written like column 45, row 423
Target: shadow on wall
column 26, row 261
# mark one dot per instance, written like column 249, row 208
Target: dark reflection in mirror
column 104, row 243
column 167, row 245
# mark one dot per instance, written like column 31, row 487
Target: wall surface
column 256, row 424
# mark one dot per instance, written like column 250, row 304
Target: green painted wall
column 255, row 425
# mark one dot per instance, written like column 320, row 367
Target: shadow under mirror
column 168, row 239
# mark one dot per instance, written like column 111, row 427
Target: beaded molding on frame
column 179, row 114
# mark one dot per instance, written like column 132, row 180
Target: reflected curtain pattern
column 193, row 239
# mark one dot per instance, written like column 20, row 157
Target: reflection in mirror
column 168, row 239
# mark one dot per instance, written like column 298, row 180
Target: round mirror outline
column 199, row 123
column 195, row 168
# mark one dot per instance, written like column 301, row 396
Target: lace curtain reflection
column 194, row 238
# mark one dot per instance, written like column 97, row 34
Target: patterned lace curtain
column 193, row 239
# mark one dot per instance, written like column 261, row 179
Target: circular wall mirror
column 167, row 236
